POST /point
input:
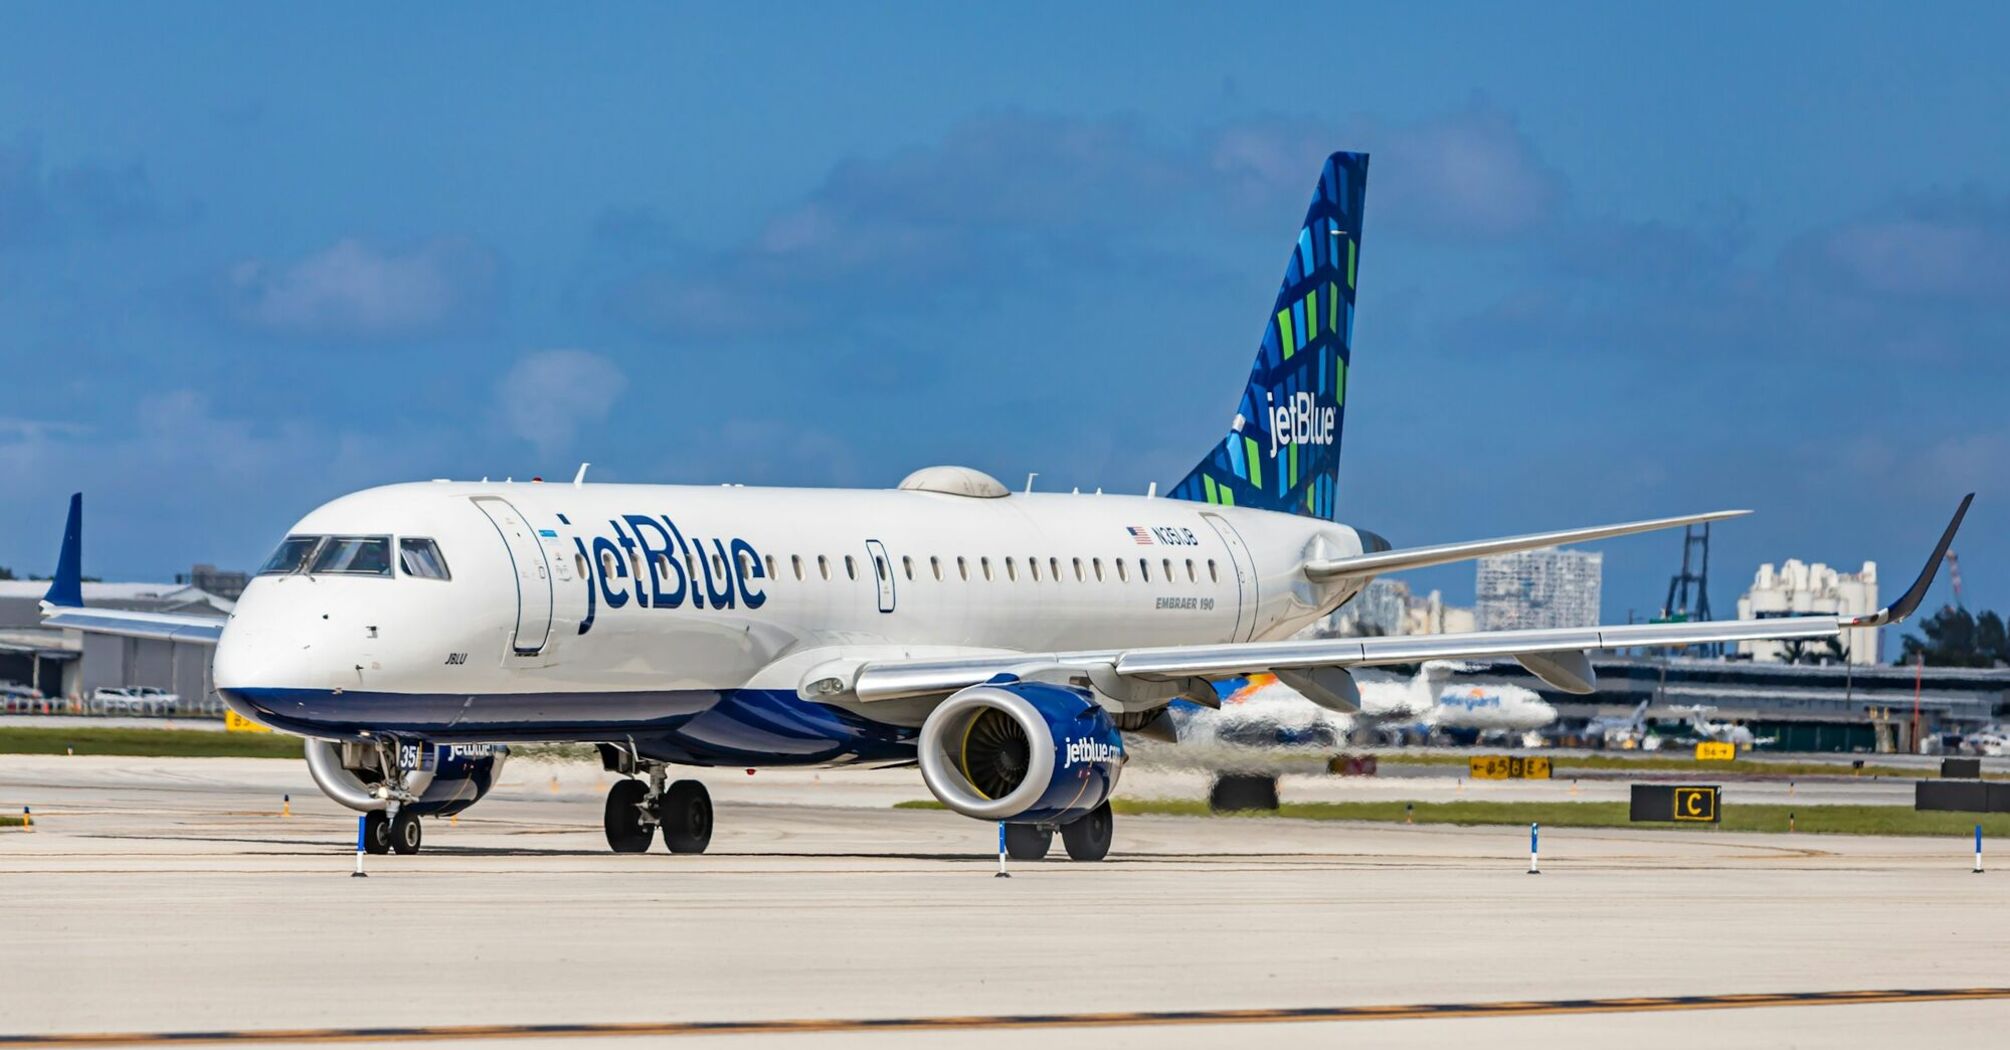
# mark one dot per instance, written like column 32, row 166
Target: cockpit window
column 291, row 555
column 354, row 555
column 422, row 558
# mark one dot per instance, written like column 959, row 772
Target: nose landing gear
column 635, row 810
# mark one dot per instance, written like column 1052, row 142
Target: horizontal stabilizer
column 1375, row 563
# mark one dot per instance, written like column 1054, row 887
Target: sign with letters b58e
column 1508, row 767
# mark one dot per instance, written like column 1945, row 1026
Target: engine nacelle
column 1025, row 752
column 446, row 778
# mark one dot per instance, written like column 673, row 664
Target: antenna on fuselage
column 1152, row 490
column 1030, row 475
column 580, row 478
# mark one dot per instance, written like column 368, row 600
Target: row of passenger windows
column 983, row 567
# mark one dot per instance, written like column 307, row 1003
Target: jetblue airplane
column 1004, row 642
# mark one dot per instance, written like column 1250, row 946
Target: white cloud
column 548, row 395
column 352, row 289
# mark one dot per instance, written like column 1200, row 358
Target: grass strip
column 1815, row 820
column 145, row 743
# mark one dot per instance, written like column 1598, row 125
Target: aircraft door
column 882, row 573
column 533, row 575
column 1245, row 576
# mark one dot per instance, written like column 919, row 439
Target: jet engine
column 443, row 778
column 1025, row 752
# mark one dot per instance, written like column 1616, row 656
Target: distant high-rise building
column 221, row 582
column 1540, row 588
column 1388, row 607
column 1799, row 589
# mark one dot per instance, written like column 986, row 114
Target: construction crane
column 1677, row 608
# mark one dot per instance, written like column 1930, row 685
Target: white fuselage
column 671, row 596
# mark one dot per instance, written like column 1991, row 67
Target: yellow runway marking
column 1518, row 1008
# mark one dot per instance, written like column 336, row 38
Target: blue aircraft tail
column 66, row 589
column 1282, row 451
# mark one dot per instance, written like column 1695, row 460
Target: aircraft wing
column 166, row 626
column 1112, row 670
column 63, row 605
column 1374, row 563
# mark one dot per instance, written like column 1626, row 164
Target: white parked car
column 135, row 700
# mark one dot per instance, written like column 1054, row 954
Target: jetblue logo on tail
column 1301, row 420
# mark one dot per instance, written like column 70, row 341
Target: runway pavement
column 168, row 895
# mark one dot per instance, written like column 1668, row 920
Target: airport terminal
column 703, row 528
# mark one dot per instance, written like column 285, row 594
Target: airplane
column 1263, row 712
column 1625, row 733
column 1723, row 732
column 1003, row 642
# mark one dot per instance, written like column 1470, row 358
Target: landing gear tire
column 406, row 833
column 1028, row 841
column 1088, row 838
column 686, row 816
column 626, row 832
column 376, row 832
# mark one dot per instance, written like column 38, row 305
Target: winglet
column 1909, row 601
column 66, row 590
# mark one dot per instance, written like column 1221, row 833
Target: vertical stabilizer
column 1282, row 451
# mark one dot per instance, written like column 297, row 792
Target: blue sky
column 1618, row 260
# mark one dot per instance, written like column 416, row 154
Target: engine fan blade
column 995, row 753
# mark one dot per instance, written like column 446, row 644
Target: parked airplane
column 1723, row 732
column 1625, row 733
column 1004, row 641
column 1263, row 712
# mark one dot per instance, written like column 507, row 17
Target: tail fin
column 1283, row 450
column 66, row 588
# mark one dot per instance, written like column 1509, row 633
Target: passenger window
column 718, row 567
column 1011, row 569
column 746, row 563
column 1054, row 569
column 1167, row 566
column 1211, row 576
column 662, row 565
column 850, row 567
column 935, row 566
column 770, row 559
column 879, row 567
column 579, row 561
column 607, row 564
column 1097, row 564
column 984, row 562
column 824, row 566
column 1145, row 569
column 1033, row 566
column 1123, row 574
column 354, row 556
column 422, row 558
column 907, row 566
column 291, row 556
column 796, row 562
column 1190, row 577
column 635, row 564
column 1078, row 570
column 962, row 569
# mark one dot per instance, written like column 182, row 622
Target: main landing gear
column 635, row 810
column 1086, row 838
column 383, row 833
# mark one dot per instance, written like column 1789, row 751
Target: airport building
column 1539, row 589
column 1388, row 607
column 1796, row 588
column 71, row 665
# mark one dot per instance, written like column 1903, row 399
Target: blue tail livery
column 1283, row 450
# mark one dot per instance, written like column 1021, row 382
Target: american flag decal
column 1142, row 535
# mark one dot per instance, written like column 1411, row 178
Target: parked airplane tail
column 1282, row 451
column 66, row 588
